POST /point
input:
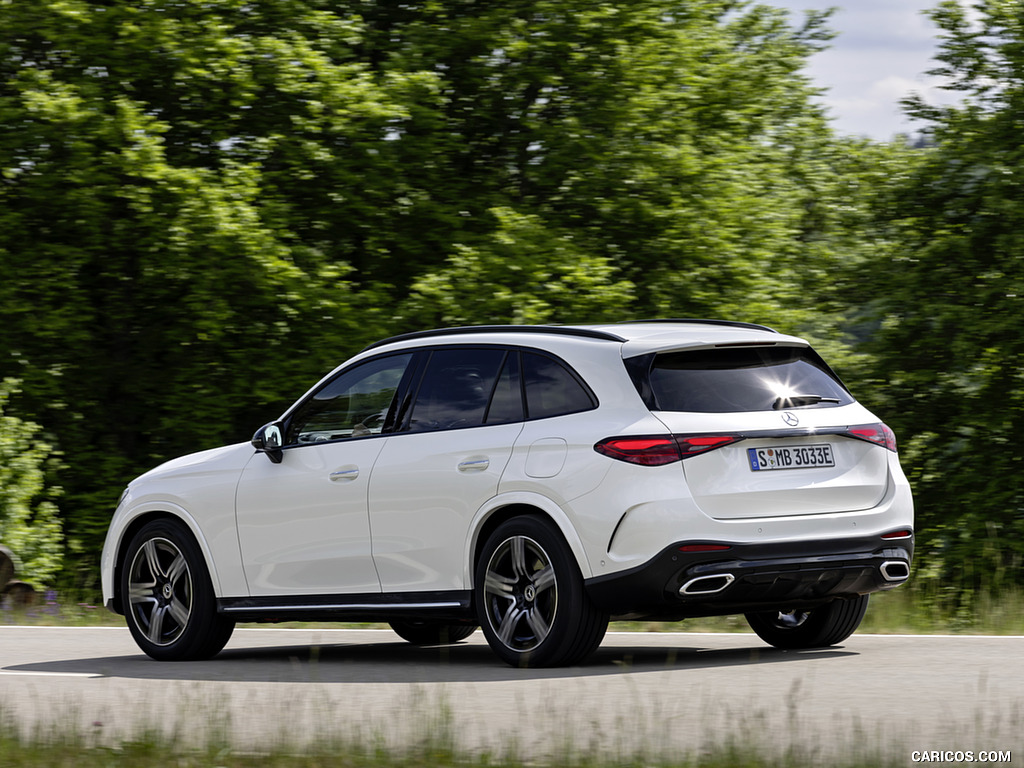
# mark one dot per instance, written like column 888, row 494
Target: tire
column 530, row 598
column 815, row 628
column 431, row 632
column 168, row 598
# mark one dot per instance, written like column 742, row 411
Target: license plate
column 790, row 457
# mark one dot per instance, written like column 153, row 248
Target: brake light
column 646, row 451
column 879, row 434
column 655, row 451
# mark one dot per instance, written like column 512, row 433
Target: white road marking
column 13, row 673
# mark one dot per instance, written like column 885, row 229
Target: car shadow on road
column 399, row 662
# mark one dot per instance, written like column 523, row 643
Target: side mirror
column 268, row 440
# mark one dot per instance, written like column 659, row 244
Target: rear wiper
column 795, row 401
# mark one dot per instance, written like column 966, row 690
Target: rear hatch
column 767, row 430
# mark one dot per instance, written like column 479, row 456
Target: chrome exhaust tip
column 707, row 585
column 894, row 570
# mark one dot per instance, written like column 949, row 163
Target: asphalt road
column 659, row 693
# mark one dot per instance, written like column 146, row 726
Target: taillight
column 647, row 451
column 704, row 548
column 658, row 450
column 691, row 445
column 879, row 434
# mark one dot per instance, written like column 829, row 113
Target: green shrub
column 29, row 522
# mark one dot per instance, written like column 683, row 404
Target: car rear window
column 725, row 380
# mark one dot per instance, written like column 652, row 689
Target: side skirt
column 455, row 606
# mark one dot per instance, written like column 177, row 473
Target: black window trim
column 400, row 410
column 494, row 388
column 517, row 349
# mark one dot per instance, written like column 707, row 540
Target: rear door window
column 456, row 388
column 744, row 379
column 507, row 402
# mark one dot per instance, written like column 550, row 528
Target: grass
column 59, row 610
column 58, row 744
column 924, row 609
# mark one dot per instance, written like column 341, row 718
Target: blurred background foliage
column 207, row 204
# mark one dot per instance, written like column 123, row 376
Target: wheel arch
column 147, row 515
column 521, row 505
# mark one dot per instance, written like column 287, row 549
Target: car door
column 303, row 526
column 554, row 453
column 430, row 479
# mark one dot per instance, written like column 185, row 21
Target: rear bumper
column 678, row 584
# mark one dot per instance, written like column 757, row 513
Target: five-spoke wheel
column 530, row 598
column 167, row 595
column 160, row 591
column 521, row 593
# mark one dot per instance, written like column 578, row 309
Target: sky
column 881, row 52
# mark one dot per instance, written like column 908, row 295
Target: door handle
column 474, row 465
column 348, row 473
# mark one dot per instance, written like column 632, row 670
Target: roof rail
column 588, row 333
column 703, row 321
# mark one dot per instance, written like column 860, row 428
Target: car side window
column 506, row 405
column 354, row 404
column 552, row 389
column 456, row 388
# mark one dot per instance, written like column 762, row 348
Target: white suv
column 535, row 481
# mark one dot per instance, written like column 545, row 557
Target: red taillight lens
column 691, row 445
column 655, row 451
column 704, row 548
column 904, row 533
column 879, row 434
column 647, row 451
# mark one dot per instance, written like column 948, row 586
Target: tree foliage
column 204, row 204
column 676, row 142
column 156, row 291
column 950, row 300
column 30, row 525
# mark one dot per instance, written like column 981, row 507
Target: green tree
column 950, row 300
column 677, row 144
column 30, row 525
column 163, row 282
column 205, row 205
column 524, row 273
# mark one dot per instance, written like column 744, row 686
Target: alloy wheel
column 160, row 591
column 520, row 593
